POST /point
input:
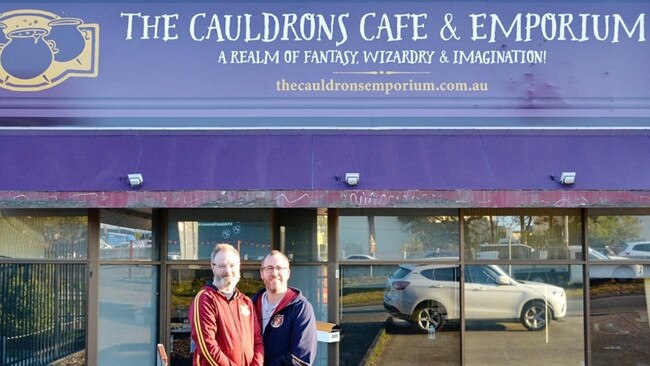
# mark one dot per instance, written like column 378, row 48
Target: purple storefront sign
column 225, row 59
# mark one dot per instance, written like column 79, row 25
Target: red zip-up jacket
column 224, row 331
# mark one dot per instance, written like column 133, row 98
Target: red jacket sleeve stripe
column 199, row 331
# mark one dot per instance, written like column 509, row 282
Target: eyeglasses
column 223, row 266
column 270, row 269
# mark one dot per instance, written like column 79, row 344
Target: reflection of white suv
column 621, row 273
column 639, row 249
column 428, row 295
column 506, row 251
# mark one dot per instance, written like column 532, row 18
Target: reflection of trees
column 430, row 232
column 184, row 289
column 67, row 235
column 538, row 231
column 608, row 230
column 43, row 236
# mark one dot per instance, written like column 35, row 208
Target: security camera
column 352, row 179
column 135, row 180
column 568, row 178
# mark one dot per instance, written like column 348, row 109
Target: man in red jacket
column 222, row 319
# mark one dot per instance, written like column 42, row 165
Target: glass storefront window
column 619, row 248
column 128, row 314
column 194, row 233
column 312, row 282
column 396, row 314
column 398, row 234
column 43, row 234
column 616, row 237
column 620, row 330
column 522, row 234
column 300, row 234
column 510, row 322
column 125, row 235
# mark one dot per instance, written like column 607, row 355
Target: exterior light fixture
column 352, row 179
column 135, row 180
column 568, row 178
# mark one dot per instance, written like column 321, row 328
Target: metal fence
column 42, row 312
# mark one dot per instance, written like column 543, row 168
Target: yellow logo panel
column 39, row 50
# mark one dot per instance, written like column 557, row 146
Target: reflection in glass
column 126, row 235
column 42, row 313
column 127, row 315
column 622, row 272
column 413, row 235
column 620, row 236
column 302, row 234
column 196, row 239
column 514, row 322
column 312, row 281
column 521, row 234
column 426, row 295
column 620, row 332
column 395, row 307
column 43, row 234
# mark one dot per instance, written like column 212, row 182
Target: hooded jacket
column 290, row 336
column 226, row 332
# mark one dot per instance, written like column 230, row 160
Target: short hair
column 274, row 252
column 222, row 246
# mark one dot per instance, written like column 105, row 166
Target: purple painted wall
column 303, row 160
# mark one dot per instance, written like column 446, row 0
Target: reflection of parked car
column 506, row 251
column 133, row 244
column 620, row 272
column 442, row 253
column 607, row 251
column 428, row 295
column 572, row 274
column 360, row 257
column 639, row 249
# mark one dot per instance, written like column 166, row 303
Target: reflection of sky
column 509, row 222
column 312, row 281
column 390, row 236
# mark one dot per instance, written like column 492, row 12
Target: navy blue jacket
column 290, row 335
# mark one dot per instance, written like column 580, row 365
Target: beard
column 275, row 284
column 226, row 282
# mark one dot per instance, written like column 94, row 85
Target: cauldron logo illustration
column 22, row 42
column 70, row 40
column 39, row 50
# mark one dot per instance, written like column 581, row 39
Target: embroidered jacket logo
column 277, row 321
column 39, row 49
column 244, row 310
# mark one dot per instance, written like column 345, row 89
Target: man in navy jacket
column 285, row 316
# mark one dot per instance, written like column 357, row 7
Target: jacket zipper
column 241, row 348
